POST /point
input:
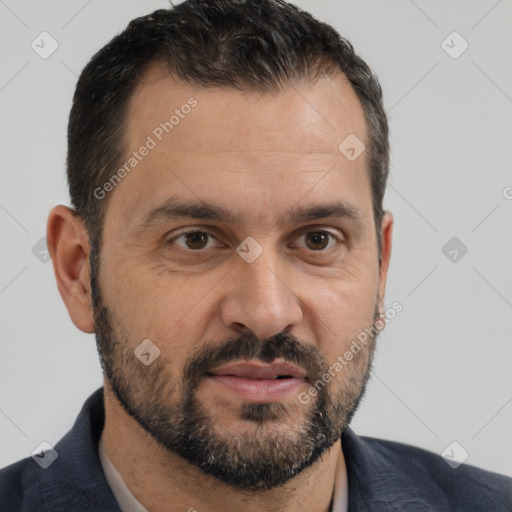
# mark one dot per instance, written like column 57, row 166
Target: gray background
column 443, row 368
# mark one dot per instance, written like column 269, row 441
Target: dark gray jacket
column 383, row 476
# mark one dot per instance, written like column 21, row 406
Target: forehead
column 216, row 143
column 316, row 115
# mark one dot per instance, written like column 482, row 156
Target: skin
column 257, row 155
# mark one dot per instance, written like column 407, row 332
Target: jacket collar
column 384, row 479
column 75, row 481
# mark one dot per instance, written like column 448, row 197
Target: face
column 242, row 245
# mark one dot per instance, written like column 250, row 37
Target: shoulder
column 72, row 479
column 25, row 485
column 14, row 481
column 464, row 487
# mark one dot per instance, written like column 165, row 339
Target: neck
column 157, row 477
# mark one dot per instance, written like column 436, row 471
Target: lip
column 259, row 382
column 258, row 390
column 260, row 371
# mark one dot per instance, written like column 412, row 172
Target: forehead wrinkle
column 250, row 151
column 286, row 164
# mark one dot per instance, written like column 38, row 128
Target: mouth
column 260, row 371
column 259, row 382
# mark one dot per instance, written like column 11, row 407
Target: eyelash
column 192, row 231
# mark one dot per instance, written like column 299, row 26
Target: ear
column 68, row 244
column 386, row 241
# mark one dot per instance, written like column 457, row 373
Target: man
column 227, row 244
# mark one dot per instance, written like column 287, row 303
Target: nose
column 260, row 299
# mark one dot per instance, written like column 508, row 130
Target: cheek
column 166, row 307
column 342, row 310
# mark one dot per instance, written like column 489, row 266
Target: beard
column 285, row 438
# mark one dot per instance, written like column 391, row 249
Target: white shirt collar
column 128, row 503
column 125, row 499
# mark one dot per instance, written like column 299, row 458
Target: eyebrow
column 174, row 209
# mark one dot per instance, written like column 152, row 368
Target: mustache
column 249, row 347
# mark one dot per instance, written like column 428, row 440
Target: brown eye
column 196, row 240
column 318, row 240
column 193, row 240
